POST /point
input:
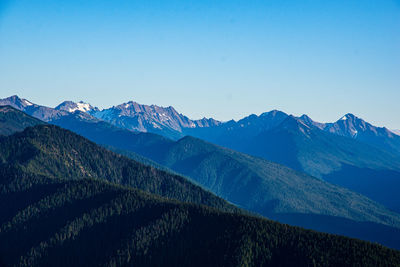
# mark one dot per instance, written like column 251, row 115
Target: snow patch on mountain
column 84, row 107
column 70, row 106
column 27, row 103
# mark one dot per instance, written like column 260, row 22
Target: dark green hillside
column 57, row 153
column 379, row 185
column 12, row 120
column 138, row 158
column 252, row 183
column 265, row 187
column 85, row 222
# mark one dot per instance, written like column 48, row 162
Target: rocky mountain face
column 308, row 121
column 16, row 102
column 162, row 120
column 40, row 112
column 131, row 115
column 68, row 110
column 232, row 133
column 360, row 130
column 351, row 126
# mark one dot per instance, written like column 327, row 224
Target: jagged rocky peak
column 274, row 113
column 352, row 126
column 151, row 118
column 348, row 125
column 293, row 122
column 16, row 102
column 207, row 122
column 310, row 122
column 306, row 119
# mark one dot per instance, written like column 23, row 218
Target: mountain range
column 350, row 152
column 254, row 184
column 168, row 122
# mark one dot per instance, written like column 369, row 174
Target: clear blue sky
column 221, row 59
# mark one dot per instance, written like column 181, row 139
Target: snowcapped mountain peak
column 71, row 106
column 83, row 106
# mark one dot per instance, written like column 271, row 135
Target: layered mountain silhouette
column 62, row 203
column 366, row 166
column 251, row 183
column 366, row 162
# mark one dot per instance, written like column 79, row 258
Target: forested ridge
column 57, row 153
column 90, row 222
column 12, row 120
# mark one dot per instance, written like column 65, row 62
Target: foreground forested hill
column 12, row 121
column 88, row 222
column 57, row 153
